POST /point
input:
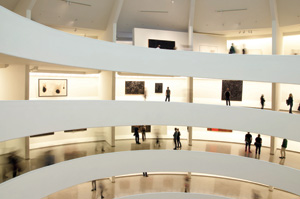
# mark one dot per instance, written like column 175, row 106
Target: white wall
column 258, row 46
column 141, row 37
column 60, row 138
column 209, row 91
column 105, row 85
column 101, row 166
column 178, row 195
column 177, row 85
column 12, row 83
column 209, row 43
column 291, row 45
column 79, row 86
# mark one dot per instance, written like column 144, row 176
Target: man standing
column 137, row 136
column 283, row 147
column 175, row 135
column 248, row 140
column 227, row 97
column 262, row 101
column 168, row 94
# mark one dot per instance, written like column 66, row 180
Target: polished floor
column 40, row 157
column 132, row 185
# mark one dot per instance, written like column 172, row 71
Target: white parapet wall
column 45, row 181
column 25, row 118
column 36, row 44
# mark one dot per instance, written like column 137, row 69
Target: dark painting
column 158, row 87
column 134, row 87
column 162, row 44
column 235, row 88
column 148, row 128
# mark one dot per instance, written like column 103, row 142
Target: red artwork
column 219, row 130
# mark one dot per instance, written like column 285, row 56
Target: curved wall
column 23, row 38
column 45, row 181
column 24, row 118
column 178, row 195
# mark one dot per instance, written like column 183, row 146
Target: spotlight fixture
column 172, row 1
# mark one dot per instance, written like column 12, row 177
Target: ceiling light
column 172, row 1
column 232, row 10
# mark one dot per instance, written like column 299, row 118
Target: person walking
column 262, row 101
column 248, row 140
column 258, row 143
column 101, row 187
column 289, row 102
column 283, row 147
column 137, row 135
column 144, row 133
column 168, row 94
column 175, row 135
column 178, row 139
column 93, row 185
column 187, row 184
column 227, row 97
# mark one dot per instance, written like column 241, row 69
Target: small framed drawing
column 158, row 87
column 53, row 87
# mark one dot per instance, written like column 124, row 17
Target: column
column 113, row 97
column 276, row 50
column 27, row 141
column 190, row 88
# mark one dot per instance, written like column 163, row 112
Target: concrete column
column 27, row 139
column 113, row 179
column 190, row 138
column 113, row 97
column 190, row 91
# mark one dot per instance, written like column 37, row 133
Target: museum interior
column 91, row 92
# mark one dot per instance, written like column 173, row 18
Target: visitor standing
column 136, row 134
column 258, row 143
column 227, row 97
column 178, row 139
column 262, row 101
column 232, row 49
column 175, row 135
column 144, row 133
column 290, row 102
column 168, row 94
column 248, row 140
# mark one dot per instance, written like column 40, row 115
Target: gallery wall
column 61, row 137
column 12, row 82
column 291, row 45
column 256, row 46
column 78, row 86
column 141, row 37
column 177, row 85
column 209, row 43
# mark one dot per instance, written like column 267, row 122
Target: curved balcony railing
column 26, row 39
column 56, row 177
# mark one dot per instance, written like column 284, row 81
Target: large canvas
column 148, row 128
column 235, row 88
column 158, row 87
column 53, row 87
column 134, row 87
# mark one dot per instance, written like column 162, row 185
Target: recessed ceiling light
column 172, row 1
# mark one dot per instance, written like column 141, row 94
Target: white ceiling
column 207, row 19
column 166, row 15
column 9, row 4
column 92, row 20
column 289, row 12
column 60, row 13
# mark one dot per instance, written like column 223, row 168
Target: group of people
column 258, row 144
column 232, row 49
column 176, row 137
column 137, row 135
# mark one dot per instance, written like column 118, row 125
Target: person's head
column 158, row 46
column 175, row 129
column 248, row 132
column 232, row 44
column 227, row 89
column 262, row 95
column 168, row 88
column 291, row 95
column 259, row 135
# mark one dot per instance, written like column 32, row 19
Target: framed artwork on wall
column 134, row 87
column 53, row 87
column 162, row 44
column 148, row 128
column 158, row 87
column 235, row 88
column 219, row 130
